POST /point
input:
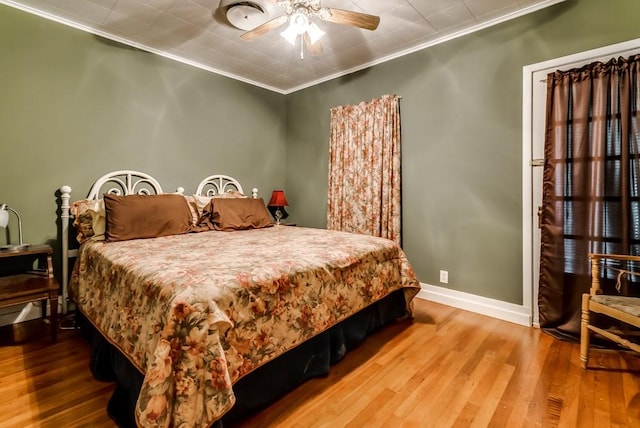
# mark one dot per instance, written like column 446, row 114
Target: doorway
column 534, row 106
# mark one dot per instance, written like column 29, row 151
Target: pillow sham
column 231, row 194
column 89, row 219
column 146, row 216
column 201, row 202
column 239, row 214
column 198, row 202
column 193, row 208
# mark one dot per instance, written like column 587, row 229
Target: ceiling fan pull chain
column 301, row 49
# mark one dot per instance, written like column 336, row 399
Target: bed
column 215, row 312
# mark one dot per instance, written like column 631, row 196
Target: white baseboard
column 505, row 311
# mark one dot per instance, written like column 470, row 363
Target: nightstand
column 27, row 276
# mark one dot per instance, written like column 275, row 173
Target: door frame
column 533, row 112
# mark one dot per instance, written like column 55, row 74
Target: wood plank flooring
column 445, row 368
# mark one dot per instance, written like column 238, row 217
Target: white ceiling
column 197, row 33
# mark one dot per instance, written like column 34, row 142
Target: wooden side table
column 21, row 281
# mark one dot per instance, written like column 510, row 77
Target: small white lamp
column 4, row 222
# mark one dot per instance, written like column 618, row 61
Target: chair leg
column 584, row 331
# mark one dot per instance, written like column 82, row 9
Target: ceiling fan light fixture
column 324, row 13
column 290, row 35
column 298, row 16
column 315, row 33
column 299, row 22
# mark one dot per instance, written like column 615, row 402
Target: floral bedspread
column 197, row 312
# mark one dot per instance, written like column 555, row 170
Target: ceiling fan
column 299, row 13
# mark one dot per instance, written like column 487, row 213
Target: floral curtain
column 591, row 195
column 364, row 168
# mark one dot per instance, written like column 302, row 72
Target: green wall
column 74, row 106
column 462, row 139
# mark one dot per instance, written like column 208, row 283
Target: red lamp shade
column 278, row 199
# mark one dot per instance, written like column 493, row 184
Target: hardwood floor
column 445, row 368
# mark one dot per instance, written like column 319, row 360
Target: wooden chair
column 616, row 306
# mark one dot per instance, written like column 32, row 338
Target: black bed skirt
column 267, row 383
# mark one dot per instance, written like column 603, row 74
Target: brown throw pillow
column 239, row 214
column 146, row 216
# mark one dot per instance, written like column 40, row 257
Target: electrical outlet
column 444, row 276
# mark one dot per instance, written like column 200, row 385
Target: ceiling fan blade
column 357, row 19
column 314, row 49
column 264, row 28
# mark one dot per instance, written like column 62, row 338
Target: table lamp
column 276, row 205
column 4, row 222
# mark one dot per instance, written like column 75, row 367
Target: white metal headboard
column 218, row 184
column 123, row 182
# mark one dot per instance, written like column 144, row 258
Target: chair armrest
column 595, row 259
column 621, row 257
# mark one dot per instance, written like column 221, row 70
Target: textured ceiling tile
column 198, row 32
column 485, row 7
column 452, row 18
column 430, row 7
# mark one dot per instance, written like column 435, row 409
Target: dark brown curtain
column 590, row 188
